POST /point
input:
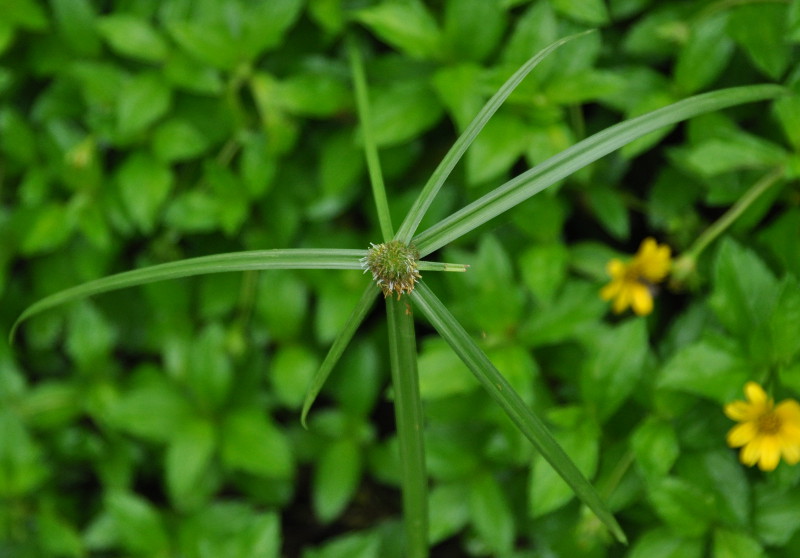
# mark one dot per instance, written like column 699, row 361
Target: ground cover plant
column 164, row 420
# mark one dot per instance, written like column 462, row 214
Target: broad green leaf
column 208, row 42
column 404, row 24
column 583, row 85
column 219, row 263
column 52, row 404
column 544, row 269
column 91, row 337
column 576, row 308
column 784, row 324
column 209, row 371
column 686, row 508
column 735, row 152
column 705, row 55
column 495, row 150
column 787, row 110
column 313, row 95
column 177, row 139
column 144, row 184
column 579, row 155
column 282, row 303
column 472, row 28
column 143, row 100
column 655, row 447
column 59, row 536
column 536, row 28
column 592, row 12
column 448, row 512
column 664, row 543
column 292, row 369
column 610, row 209
column 154, row 409
column 230, row 530
column 441, row 373
column 358, row 545
column 745, row 290
column 458, row 88
column 502, row 392
column 720, row 472
column 76, row 20
column 50, row 227
column 403, row 111
column 18, row 138
column 258, row 166
column 731, row 544
column 132, row 36
column 137, row 522
column 21, row 458
column 761, row 30
column 253, row 444
column 188, row 73
column 445, row 167
column 491, row 515
column 336, row 477
column 187, row 460
column 615, row 366
column 707, row 368
column 264, row 24
column 24, row 13
column 776, row 514
column 778, row 238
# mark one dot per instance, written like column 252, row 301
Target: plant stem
column 408, row 414
column 720, row 225
column 370, row 147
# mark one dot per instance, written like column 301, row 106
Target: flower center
column 393, row 266
column 769, row 423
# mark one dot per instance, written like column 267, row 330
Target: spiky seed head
column 393, row 266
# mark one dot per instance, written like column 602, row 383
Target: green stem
column 370, row 147
column 408, row 414
column 717, row 228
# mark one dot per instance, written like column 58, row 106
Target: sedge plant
column 396, row 264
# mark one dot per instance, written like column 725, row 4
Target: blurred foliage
column 163, row 420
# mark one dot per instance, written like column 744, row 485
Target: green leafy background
column 164, row 420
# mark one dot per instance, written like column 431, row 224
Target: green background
column 164, row 420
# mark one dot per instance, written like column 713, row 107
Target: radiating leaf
column 502, row 392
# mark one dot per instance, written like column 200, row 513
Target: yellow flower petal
column 770, row 453
column 755, row 393
column 791, row 453
column 766, row 433
column 739, row 411
column 742, row 434
column 750, row 453
column 642, row 300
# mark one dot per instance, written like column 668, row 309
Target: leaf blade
column 578, row 156
column 217, row 263
column 502, row 392
column 453, row 156
column 340, row 343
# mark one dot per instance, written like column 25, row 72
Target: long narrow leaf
column 218, row 263
column 578, row 156
column 502, row 392
column 408, row 413
column 370, row 147
column 409, row 225
column 341, row 342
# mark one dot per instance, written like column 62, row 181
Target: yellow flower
column 765, row 432
column 632, row 282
